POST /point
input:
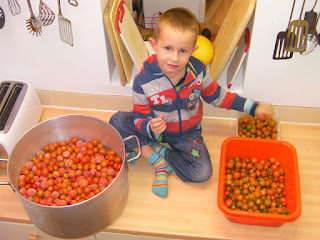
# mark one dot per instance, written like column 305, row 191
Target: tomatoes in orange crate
column 249, row 126
column 247, row 189
column 68, row 172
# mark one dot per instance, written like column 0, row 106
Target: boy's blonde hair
column 178, row 18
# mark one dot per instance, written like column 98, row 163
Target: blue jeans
column 188, row 156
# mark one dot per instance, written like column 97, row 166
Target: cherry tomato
column 21, row 183
column 102, row 151
column 56, row 174
column 25, row 171
column 255, row 185
column 95, row 142
column 249, row 126
column 74, row 140
column 236, row 175
column 228, row 203
column 117, row 159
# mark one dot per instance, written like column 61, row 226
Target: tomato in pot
column 68, row 172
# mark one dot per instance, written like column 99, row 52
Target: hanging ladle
column 313, row 39
column 311, row 18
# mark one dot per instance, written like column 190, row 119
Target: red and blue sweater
column 154, row 93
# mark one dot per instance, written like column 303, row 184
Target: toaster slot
column 12, row 95
column 3, row 90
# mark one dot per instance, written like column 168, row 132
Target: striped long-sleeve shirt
column 154, row 93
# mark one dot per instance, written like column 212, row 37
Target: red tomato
column 60, row 171
column 117, row 159
column 236, row 175
column 25, row 171
column 228, row 203
column 256, row 185
column 102, row 151
column 74, row 140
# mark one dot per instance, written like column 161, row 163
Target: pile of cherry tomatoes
column 249, row 126
column 255, row 185
column 68, row 172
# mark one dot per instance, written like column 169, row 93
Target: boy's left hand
column 158, row 125
column 264, row 110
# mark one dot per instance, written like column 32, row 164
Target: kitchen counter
column 190, row 211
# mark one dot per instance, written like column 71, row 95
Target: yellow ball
column 205, row 50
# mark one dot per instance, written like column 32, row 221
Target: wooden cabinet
column 20, row 231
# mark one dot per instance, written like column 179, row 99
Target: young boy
column 167, row 104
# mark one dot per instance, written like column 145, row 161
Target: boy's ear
column 153, row 44
column 195, row 48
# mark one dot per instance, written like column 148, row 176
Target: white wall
column 88, row 67
column 50, row 64
column 294, row 82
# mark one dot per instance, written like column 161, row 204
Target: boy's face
column 174, row 49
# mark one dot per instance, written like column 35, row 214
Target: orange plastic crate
column 263, row 149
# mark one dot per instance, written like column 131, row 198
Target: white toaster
column 20, row 110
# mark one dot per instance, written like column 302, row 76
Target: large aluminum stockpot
column 85, row 218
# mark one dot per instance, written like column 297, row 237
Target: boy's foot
column 132, row 155
column 160, row 183
column 159, row 148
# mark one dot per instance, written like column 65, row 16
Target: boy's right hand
column 264, row 110
column 158, row 125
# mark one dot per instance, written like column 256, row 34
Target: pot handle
column 4, row 160
column 139, row 147
column 6, row 183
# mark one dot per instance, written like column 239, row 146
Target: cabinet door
column 19, row 231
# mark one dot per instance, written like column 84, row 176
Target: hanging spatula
column 14, row 7
column 297, row 34
column 279, row 51
column 46, row 15
column 65, row 28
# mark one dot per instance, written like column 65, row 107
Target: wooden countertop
column 190, row 211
